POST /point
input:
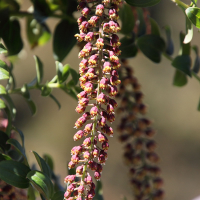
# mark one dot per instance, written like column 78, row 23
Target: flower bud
column 75, row 159
column 71, row 165
column 97, row 175
column 85, row 12
column 94, row 111
column 93, row 21
column 76, row 150
column 78, row 135
column 88, row 129
column 87, row 142
column 99, row 10
column 70, row 179
column 100, row 43
column 80, row 109
column 79, row 170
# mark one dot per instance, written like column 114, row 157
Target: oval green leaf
column 3, row 49
column 142, row 3
column 193, row 13
column 12, row 37
column 2, row 89
column 182, row 63
column 4, row 74
column 39, row 69
column 42, row 183
column 169, row 43
column 127, row 18
column 64, row 40
column 180, row 79
column 43, row 165
column 14, row 173
column 151, row 46
column 18, row 148
column 4, row 138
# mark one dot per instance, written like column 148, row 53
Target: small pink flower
column 93, row 21
column 79, row 170
column 100, row 43
column 89, row 37
column 94, row 111
column 88, row 129
column 99, row 10
column 97, row 175
column 87, row 142
column 76, row 150
column 75, row 159
column 85, row 12
column 78, row 135
column 104, row 83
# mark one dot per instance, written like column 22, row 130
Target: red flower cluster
column 135, row 130
column 98, row 79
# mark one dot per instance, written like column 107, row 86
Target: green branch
column 181, row 4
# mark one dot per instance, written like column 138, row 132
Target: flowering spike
column 99, row 80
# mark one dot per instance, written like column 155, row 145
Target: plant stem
column 181, row 4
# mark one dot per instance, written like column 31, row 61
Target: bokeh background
column 173, row 109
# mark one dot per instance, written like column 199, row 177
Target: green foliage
column 127, row 18
column 193, row 14
column 63, row 39
column 151, row 46
column 128, row 47
column 14, row 173
column 180, row 79
column 142, row 3
column 42, row 183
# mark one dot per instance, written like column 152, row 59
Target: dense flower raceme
column 136, row 133
column 98, row 79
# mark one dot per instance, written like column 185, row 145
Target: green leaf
column 142, row 3
column 31, row 193
column 4, row 157
column 98, row 191
column 21, row 135
column 185, row 48
column 58, row 195
column 41, row 10
column 37, row 33
column 12, row 37
column 15, row 155
column 48, row 159
column 43, row 165
column 154, row 27
column 142, row 24
column 128, row 48
column 14, row 173
column 10, row 104
column 127, row 18
column 180, row 79
column 169, row 43
column 4, row 74
column 183, row 63
column 46, row 91
column 196, row 66
column 64, row 39
column 65, row 72
column 75, row 76
column 56, row 100
column 193, row 13
column 59, row 70
column 151, row 46
column 2, row 104
column 25, row 91
column 189, row 31
column 2, row 89
column 42, row 183
column 3, row 49
column 31, row 106
column 4, row 138
column 18, row 148
column 39, row 69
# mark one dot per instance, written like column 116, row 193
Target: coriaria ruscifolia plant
column 136, row 132
column 98, row 79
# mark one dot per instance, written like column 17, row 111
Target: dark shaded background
column 172, row 109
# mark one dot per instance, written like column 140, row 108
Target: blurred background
column 173, row 110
